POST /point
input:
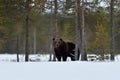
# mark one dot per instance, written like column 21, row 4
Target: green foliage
column 67, row 31
column 102, row 40
column 117, row 30
column 97, row 25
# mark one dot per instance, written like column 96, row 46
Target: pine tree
column 102, row 40
column 83, row 41
column 28, row 8
column 112, row 29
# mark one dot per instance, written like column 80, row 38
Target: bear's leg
column 72, row 58
column 64, row 58
column 58, row 57
column 72, row 55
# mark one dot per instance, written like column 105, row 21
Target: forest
column 28, row 26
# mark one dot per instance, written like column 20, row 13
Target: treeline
column 41, row 25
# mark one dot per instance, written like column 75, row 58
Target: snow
column 13, row 57
column 44, row 70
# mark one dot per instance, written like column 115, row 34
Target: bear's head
column 58, row 42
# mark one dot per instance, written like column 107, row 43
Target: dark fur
column 64, row 49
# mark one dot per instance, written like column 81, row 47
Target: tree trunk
column 55, row 19
column 50, row 43
column 51, row 51
column 27, row 30
column 76, row 29
column 27, row 40
column 83, row 50
column 55, row 23
column 17, row 44
column 112, row 29
column 34, row 45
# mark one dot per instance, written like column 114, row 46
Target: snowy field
column 44, row 70
column 42, row 58
column 32, row 58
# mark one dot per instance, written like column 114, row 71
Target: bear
column 64, row 49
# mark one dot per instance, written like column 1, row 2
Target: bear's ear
column 53, row 39
column 61, row 39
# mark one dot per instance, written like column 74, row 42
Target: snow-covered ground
column 43, row 58
column 32, row 58
column 60, row 71
column 44, row 70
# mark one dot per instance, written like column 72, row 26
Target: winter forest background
column 28, row 26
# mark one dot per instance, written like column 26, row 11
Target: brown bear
column 64, row 49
